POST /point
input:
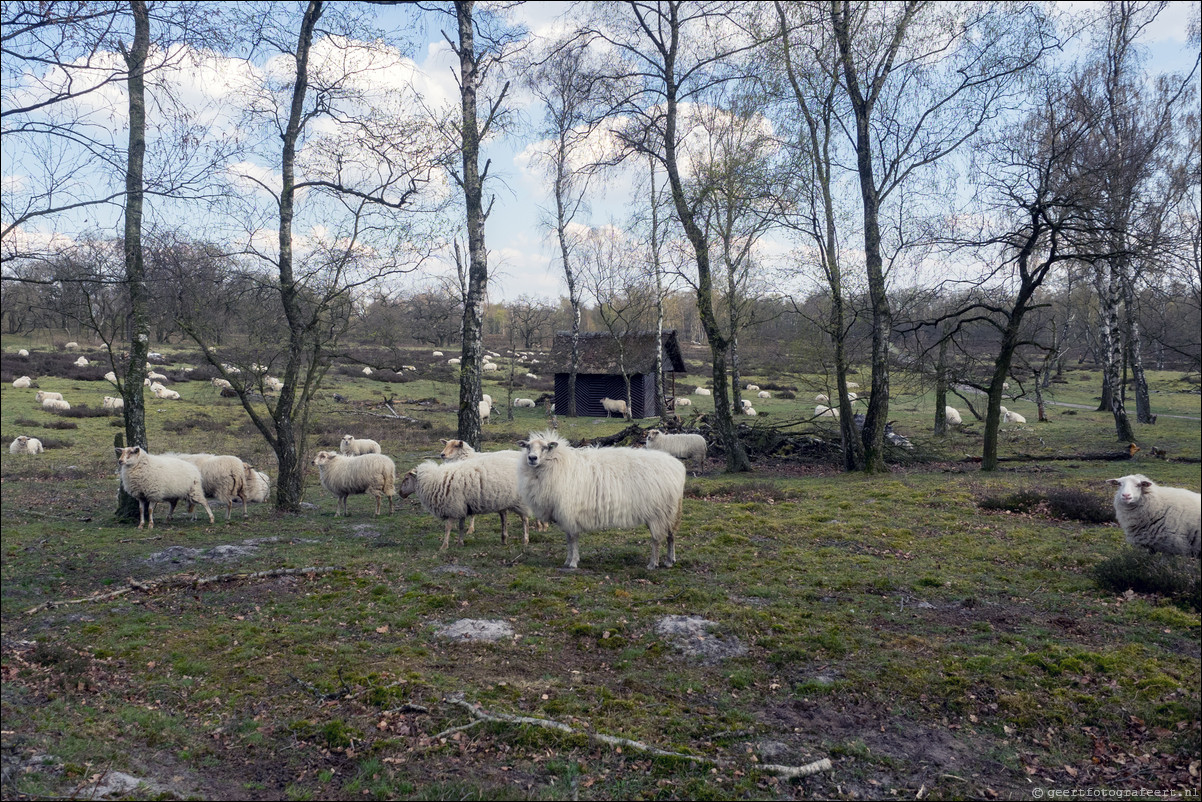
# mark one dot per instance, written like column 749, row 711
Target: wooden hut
column 599, row 371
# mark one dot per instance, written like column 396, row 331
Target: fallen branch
column 480, row 714
column 393, row 416
column 181, row 582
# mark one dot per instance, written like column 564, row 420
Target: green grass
column 900, row 624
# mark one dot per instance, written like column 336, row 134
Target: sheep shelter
column 599, row 375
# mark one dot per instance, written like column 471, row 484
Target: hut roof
column 599, row 352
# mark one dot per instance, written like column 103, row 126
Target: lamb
column 703, row 391
column 461, row 488
column 55, row 405
column 222, row 477
column 24, row 444
column 952, row 416
column 765, row 394
column 42, row 395
column 82, row 362
column 752, row 388
column 613, row 406
column 1011, row 417
column 353, row 448
column 822, row 398
column 22, row 383
column 590, row 489
column 151, row 479
column 823, row 411
column 682, row 446
column 1158, row 518
column 114, row 404
column 350, row 475
column 523, row 403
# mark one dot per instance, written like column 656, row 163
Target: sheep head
column 1131, row 489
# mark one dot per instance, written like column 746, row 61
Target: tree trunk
column 941, row 386
column 1134, row 342
column 1105, row 283
column 661, row 406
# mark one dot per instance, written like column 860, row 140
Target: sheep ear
column 522, row 444
column 1145, row 483
column 551, row 445
column 1114, row 482
column 443, row 440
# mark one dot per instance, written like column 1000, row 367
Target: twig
column 181, row 582
column 460, row 728
column 480, row 714
column 139, row 539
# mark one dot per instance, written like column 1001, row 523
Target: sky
column 521, row 254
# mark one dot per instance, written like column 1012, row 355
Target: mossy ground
column 927, row 644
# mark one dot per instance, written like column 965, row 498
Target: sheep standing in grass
column 589, row 489
column 353, row 448
column 256, row 485
column 222, row 477
column 614, row 407
column 347, row 476
column 1158, row 518
column 151, row 479
column 485, row 410
column 471, row 485
column 454, row 450
column 952, row 416
column 55, row 405
column 22, row 382
column 24, row 444
column 1011, row 417
column 684, row 447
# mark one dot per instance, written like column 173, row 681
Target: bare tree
column 529, row 319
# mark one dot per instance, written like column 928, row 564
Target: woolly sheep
column 703, row 391
column 408, row 367
column 684, row 447
column 22, row 352
column 750, row 412
column 615, row 407
column 156, row 377
column 55, row 405
column 115, row 404
column 853, row 386
column 110, row 377
column 952, row 416
column 744, row 403
column 82, row 362
column 457, row 450
column 461, row 488
column 353, row 448
column 1011, row 417
column 852, row 396
column 532, row 376
column 366, row 370
column 823, row 411
column 24, row 444
column 42, row 395
column 438, row 353
column 223, row 478
column 752, row 388
column 454, row 361
column 255, row 484
column 22, row 382
column 346, row 476
column 221, row 384
column 488, row 366
column 764, row 394
column 1158, row 518
column 151, row 479
column 486, row 397
column 71, row 346
column 272, row 385
column 485, row 410
column 683, row 402
column 523, row 403
column 163, row 393
column 589, row 489
column 822, row 398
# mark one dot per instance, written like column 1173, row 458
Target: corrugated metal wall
column 592, row 387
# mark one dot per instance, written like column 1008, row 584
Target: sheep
column 532, row 376
column 1158, row 518
column 454, row 361
column 586, row 490
column 764, row 394
column 461, row 488
column 353, row 448
column 750, row 412
column 852, row 396
column 82, row 362
column 72, row 346
column 114, row 404
column 221, row 384
column 22, row 383
column 272, row 385
column 23, row 352
column 1011, row 417
column 822, row 398
column 614, row 406
column 408, row 367
column 24, row 444
column 456, row 450
column 952, row 416
column 151, row 479
column 55, row 405
column 163, row 393
column 853, row 386
column 489, row 366
column 222, row 477
column 346, row 476
column 156, row 377
column 823, row 411
column 752, row 388
column 42, row 395
column 523, row 403
column 683, row 402
column 485, row 410
column 256, row 485
column 110, row 377
column 438, row 353
column 684, row 447
column 744, row 403
column 702, row 391
column 366, row 370
column 486, row 397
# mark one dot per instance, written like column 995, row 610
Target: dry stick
column 181, row 582
column 789, row 772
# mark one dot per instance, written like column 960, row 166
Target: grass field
column 935, row 632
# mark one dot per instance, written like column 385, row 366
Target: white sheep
column 353, row 448
column 221, row 384
column 438, row 353
column 366, row 370
column 589, row 489
column 461, row 488
column 486, row 397
column 744, row 403
column 750, row 411
column 823, row 411
column 151, row 479
column 256, row 485
column 113, row 404
column 1011, row 417
column 684, row 447
column 952, row 416
column 852, row 396
column 490, row 366
column 454, row 361
column 164, row 393
column 22, row 383
column 55, row 405
column 702, row 391
column 42, row 395
column 1158, row 518
column 752, row 388
column 82, row 362
column 614, row 407
column 408, row 367
column 24, row 444
column 853, row 386
column 523, row 403
column 223, row 478
column 764, row 394
column 272, row 385
column 23, row 352
column 485, row 410
column 156, row 377
column 682, row 401
column 72, row 346
column 456, row 450
column 110, row 377
column 346, row 476
column 532, row 376
column 822, row 398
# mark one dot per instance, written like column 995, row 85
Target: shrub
column 1173, row 576
column 85, row 411
column 1066, row 503
column 60, row 424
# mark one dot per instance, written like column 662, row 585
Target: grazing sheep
column 82, row 362
column 486, row 397
column 683, row 402
column 42, row 395
column 23, row 352
column 221, row 384
column 110, row 377
column 438, row 353
column 952, row 416
column 222, row 477
column 752, row 388
column 1158, row 518
column 114, row 404
column 764, row 394
column 823, row 411
column 28, row 445
column 485, row 410
column 55, row 405
column 822, row 398
column 353, row 448
column 151, row 479
column 256, row 485
column 589, row 489
column 614, row 407
column 461, row 488
column 703, row 391
column 1011, row 417
column 684, row 447
column 454, row 361
column 523, row 403
column 346, row 476
column 164, row 393
column 22, row 382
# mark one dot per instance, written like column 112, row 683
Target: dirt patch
column 692, row 636
column 458, row 570
column 474, row 629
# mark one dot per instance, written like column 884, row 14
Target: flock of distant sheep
column 579, row 489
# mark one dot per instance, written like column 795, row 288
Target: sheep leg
column 655, row 538
column 229, row 510
column 504, row 528
column 525, row 528
column 244, row 514
column 471, row 526
column 378, row 499
column 461, row 520
column 205, row 504
column 446, row 536
column 573, row 550
column 142, row 505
